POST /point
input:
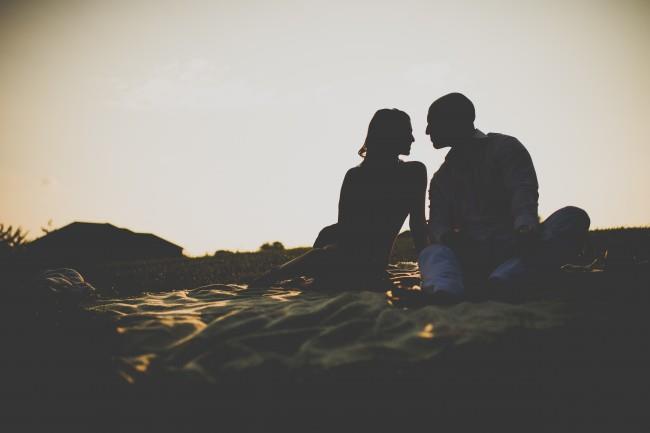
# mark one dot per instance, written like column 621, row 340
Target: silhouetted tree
column 47, row 229
column 11, row 240
column 275, row 246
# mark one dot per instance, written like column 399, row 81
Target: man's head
column 450, row 119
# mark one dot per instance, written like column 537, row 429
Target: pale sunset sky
column 227, row 124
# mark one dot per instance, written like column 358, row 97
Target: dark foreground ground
column 61, row 363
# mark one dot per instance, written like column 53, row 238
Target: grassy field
column 62, row 359
column 615, row 247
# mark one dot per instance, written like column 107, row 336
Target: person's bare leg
column 307, row 264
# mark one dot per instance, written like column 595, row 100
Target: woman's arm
column 346, row 206
column 417, row 219
column 439, row 207
column 313, row 260
column 344, row 197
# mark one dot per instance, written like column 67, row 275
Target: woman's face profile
column 405, row 139
column 390, row 134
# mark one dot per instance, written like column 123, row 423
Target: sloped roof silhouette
column 88, row 241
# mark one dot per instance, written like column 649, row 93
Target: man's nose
column 427, row 130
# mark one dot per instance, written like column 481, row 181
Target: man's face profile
column 439, row 132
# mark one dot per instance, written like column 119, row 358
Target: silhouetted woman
column 376, row 197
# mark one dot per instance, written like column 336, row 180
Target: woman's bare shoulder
column 415, row 167
column 352, row 171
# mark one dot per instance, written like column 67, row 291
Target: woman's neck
column 381, row 160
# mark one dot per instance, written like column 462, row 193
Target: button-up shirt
column 486, row 188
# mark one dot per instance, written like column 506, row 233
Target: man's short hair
column 453, row 106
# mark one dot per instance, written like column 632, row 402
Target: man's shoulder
column 503, row 142
column 441, row 173
column 499, row 138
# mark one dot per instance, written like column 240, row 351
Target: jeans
column 561, row 237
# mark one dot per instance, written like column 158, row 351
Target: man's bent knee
column 566, row 221
column 578, row 217
column 434, row 251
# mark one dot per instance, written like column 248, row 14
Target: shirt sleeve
column 439, row 208
column 521, row 181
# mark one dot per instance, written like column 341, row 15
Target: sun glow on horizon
column 225, row 125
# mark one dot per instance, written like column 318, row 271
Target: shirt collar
column 453, row 153
column 479, row 134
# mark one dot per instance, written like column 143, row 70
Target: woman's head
column 389, row 134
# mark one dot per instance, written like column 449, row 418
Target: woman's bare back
column 375, row 200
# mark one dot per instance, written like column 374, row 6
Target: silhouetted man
column 483, row 219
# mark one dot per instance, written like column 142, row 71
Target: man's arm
column 521, row 181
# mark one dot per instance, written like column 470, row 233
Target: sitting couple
column 483, row 224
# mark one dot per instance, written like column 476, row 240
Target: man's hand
column 526, row 238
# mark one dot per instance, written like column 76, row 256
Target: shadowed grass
column 618, row 248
